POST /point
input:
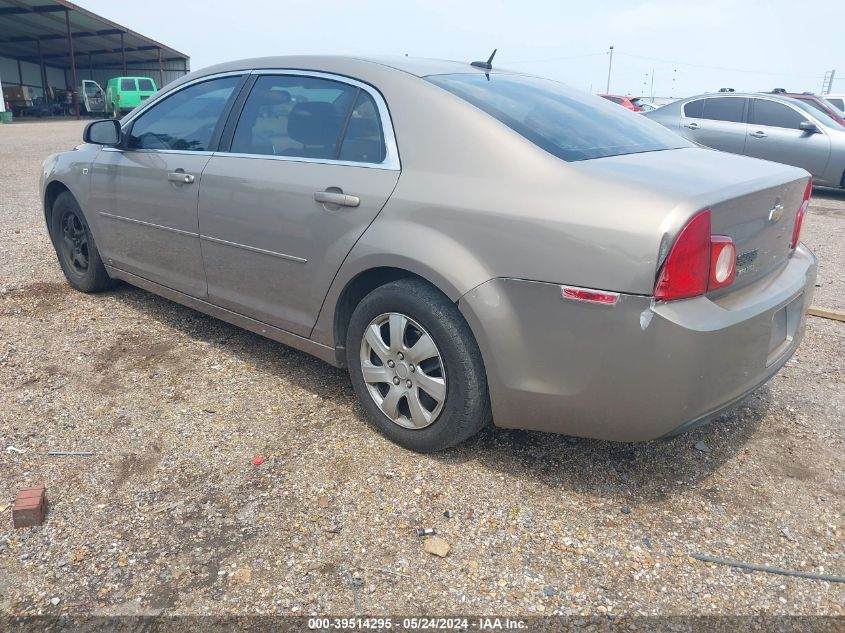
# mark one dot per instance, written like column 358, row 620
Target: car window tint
column 186, row 119
column 567, row 123
column 773, row 114
column 127, row 84
column 837, row 102
column 694, row 109
column 287, row 115
column 363, row 141
column 614, row 99
column 146, row 85
column 724, row 109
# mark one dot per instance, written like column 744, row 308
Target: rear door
column 716, row 122
column 145, row 193
column 146, row 88
column 774, row 134
column 312, row 160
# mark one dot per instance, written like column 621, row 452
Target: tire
column 445, row 399
column 75, row 248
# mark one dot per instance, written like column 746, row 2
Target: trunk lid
column 752, row 201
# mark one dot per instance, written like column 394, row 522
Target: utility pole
column 609, row 68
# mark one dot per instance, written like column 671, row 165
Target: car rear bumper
column 637, row 370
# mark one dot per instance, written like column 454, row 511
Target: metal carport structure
column 56, row 35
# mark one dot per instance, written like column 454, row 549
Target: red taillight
column 698, row 262
column 687, row 268
column 799, row 217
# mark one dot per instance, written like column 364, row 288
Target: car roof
column 418, row 66
column 778, row 96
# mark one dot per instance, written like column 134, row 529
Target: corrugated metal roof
column 27, row 24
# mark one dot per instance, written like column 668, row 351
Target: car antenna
column 488, row 65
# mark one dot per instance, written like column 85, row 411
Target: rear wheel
column 75, row 247
column 416, row 367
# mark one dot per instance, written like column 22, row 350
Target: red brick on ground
column 30, row 506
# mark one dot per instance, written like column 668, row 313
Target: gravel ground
column 170, row 514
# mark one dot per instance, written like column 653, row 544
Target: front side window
column 186, row 119
column 724, row 109
column 774, row 114
column 309, row 117
column 146, row 85
column 567, row 123
column 127, row 84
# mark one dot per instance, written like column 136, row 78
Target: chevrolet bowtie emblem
column 776, row 213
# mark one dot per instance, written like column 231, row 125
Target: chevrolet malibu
column 473, row 245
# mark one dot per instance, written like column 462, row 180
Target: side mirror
column 105, row 132
column 809, row 127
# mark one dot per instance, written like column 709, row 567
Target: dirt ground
column 170, row 515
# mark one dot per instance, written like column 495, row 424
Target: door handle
column 692, row 126
column 179, row 176
column 337, row 197
column 758, row 134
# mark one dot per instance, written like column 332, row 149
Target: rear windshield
column 570, row 124
column 146, row 85
column 127, row 84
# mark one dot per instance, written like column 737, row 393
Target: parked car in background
column 631, row 103
column 817, row 102
column 646, row 106
column 125, row 93
column 545, row 259
column 837, row 101
column 769, row 126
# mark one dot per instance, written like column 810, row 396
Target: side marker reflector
column 590, row 296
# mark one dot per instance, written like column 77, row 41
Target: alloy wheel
column 403, row 370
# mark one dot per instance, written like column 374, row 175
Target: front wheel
column 75, row 247
column 416, row 367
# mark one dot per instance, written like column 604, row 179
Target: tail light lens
column 722, row 262
column 799, row 217
column 697, row 263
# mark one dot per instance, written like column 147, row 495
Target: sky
column 686, row 47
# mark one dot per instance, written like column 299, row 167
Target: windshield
column 823, row 117
column 569, row 124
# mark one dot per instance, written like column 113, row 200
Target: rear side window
column 185, row 120
column 567, row 123
column 837, row 102
column 774, row 114
column 363, row 141
column 146, row 85
column 694, row 109
column 127, row 84
column 724, row 109
column 309, row 117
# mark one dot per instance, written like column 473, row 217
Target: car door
column 774, row 134
column 311, row 161
column 716, row 122
column 93, row 97
column 145, row 191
